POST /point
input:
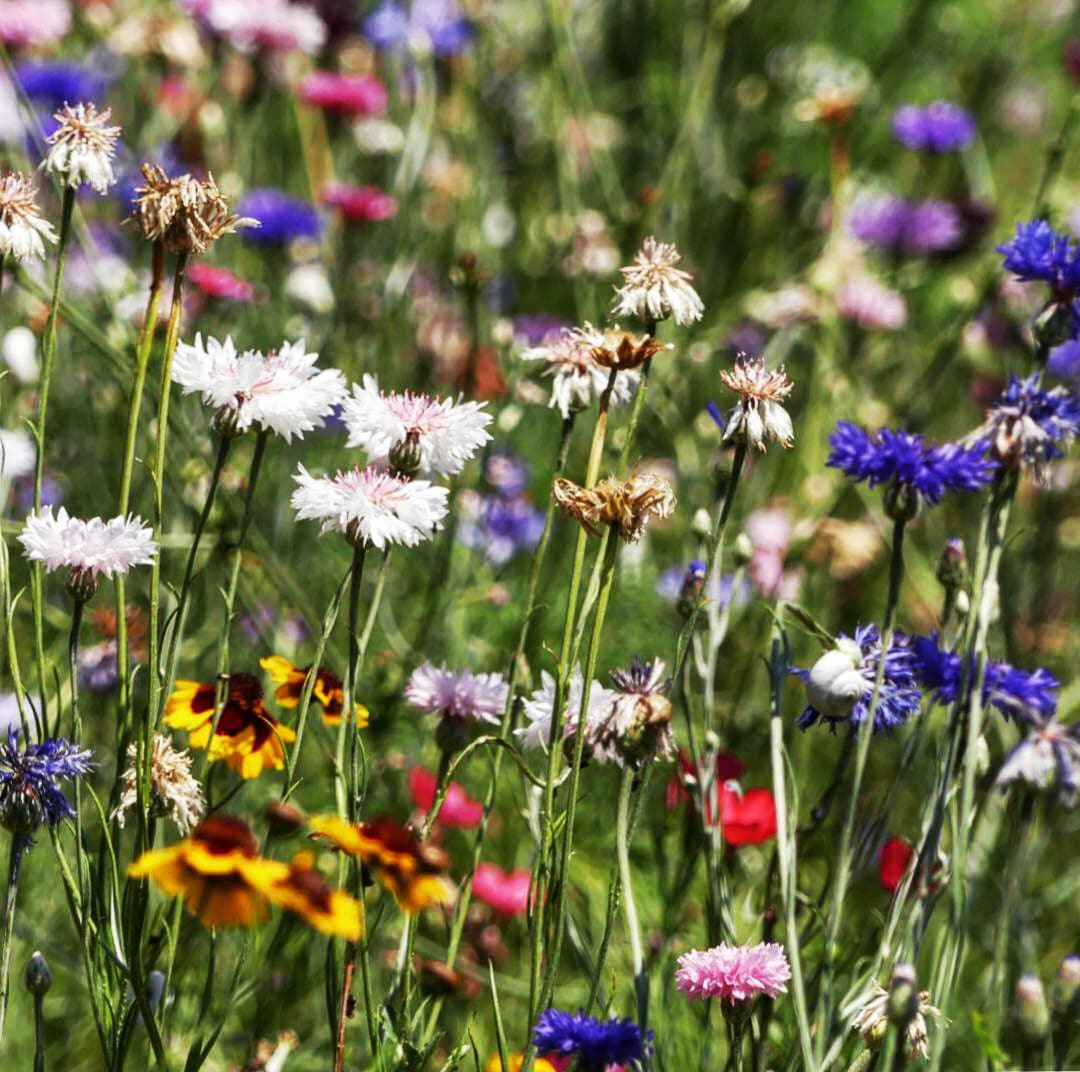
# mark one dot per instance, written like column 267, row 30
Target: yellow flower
column 247, row 736
column 328, row 690
column 413, row 872
column 515, row 1061
column 299, row 888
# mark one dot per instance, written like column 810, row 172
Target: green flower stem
column 16, row 850
column 865, row 733
column 48, row 361
column 39, row 1032
column 142, row 362
column 633, row 927
column 77, row 737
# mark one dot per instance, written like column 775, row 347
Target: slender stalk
column 48, row 361
column 19, row 845
column 633, row 928
column 39, row 1032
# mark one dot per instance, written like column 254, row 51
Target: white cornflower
column 416, row 433
column 758, row 416
column 578, row 379
column 459, row 694
column 872, row 1023
column 23, row 232
column 174, row 790
column 82, row 146
column 282, row 392
column 17, row 454
column 637, row 725
column 655, row 288
column 538, row 708
column 1048, row 758
column 371, row 505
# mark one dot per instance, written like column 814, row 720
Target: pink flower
column 457, row 809
column 365, row 204
column 33, row 22
column 505, row 891
column 734, row 972
column 353, row 95
column 871, row 304
column 220, row 283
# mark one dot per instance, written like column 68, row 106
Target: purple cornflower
column 1064, row 361
column 1029, row 424
column 908, row 464
column 282, row 218
column 30, row 793
column 940, row 127
column 920, row 227
column 52, row 84
column 440, row 22
column 1037, row 253
column 879, row 220
column 535, row 329
column 840, row 685
column 1030, row 696
column 596, row 1043
column 506, row 473
column 98, row 670
column 501, row 525
column 933, row 227
column 1048, row 758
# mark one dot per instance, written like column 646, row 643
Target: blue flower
column 439, row 21
column 282, row 218
column 597, row 1043
column 904, row 459
column 1030, row 696
column 501, row 525
column 1064, row 361
column 940, row 127
column 1029, row 424
column 29, row 791
column 840, row 685
column 1037, row 253
column 52, row 84
column 920, row 227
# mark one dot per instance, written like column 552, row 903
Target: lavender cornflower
column 940, row 127
column 1048, row 758
column 912, row 469
column 282, row 218
column 500, row 525
column 933, row 227
column 457, row 694
column 1064, row 361
column 595, row 1043
column 893, row 223
column 1029, row 696
column 30, row 792
column 1029, row 424
column 879, row 220
column 437, row 23
column 840, row 685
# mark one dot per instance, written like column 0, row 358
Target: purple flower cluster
column 51, row 84
column 905, row 459
column 282, row 218
column 914, row 227
column 595, row 1043
column 505, row 523
column 440, row 22
column 1030, row 696
column 940, row 127
column 1038, row 253
column 30, row 793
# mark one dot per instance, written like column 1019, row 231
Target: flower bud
column 702, row 523
column 901, row 501
column 1065, row 995
column 21, row 812
column 903, row 995
column 405, row 456
column 1054, row 325
column 834, row 684
column 81, row 584
column 1032, row 1015
column 952, row 565
column 38, row 978
column 283, row 819
column 743, row 550
column 693, row 581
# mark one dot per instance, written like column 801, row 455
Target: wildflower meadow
column 539, row 535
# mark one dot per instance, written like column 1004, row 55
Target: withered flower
column 758, row 416
column 622, row 350
column 624, row 505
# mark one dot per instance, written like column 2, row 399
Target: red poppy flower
column 457, row 809
column 505, row 891
column 747, row 818
column 893, row 862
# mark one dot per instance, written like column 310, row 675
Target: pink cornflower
column 219, row 283
column 360, row 204
column 461, row 694
column 350, row 94
column 271, row 25
column 734, row 972
column 870, row 304
column 505, row 891
column 33, row 22
column 458, row 811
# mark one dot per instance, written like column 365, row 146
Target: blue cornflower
column 1029, row 424
column 908, row 464
column 940, row 127
column 840, row 685
column 30, row 793
column 52, row 84
column 440, row 22
column 597, row 1043
column 501, row 525
column 1037, row 253
column 1030, row 696
column 282, row 218
column 1064, row 361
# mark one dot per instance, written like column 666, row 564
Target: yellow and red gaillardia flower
column 413, row 872
column 247, row 736
column 328, row 690
column 299, row 888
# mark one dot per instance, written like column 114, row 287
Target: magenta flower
column 352, row 95
column 360, row 204
column 505, row 891
column 734, row 972
column 458, row 809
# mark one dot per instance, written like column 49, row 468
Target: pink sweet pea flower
column 365, row 204
column 505, row 891
column 350, row 94
column 457, row 809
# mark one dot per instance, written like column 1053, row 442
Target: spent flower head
column 81, row 148
column 538, row 709
column 758, row 416
column 626, row 506
column 734, row 973
column 654, row 288
column 23, row 231
column 30, row 778
column 637, row 726
column 1047, row 760
column 872, row 1022
column 174, row 790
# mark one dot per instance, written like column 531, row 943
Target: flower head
column 281, row 218
column 434, row 24
column 299, row 888
column 442, row 435
column 219, row 283
column 371, row 505
column 501, row 525
column 539, row 706
column 185, row 214
column 281, row 392
column 655, row 289
column 360, row 204
column 638, row 723
column 1030, row 425
column 626, row 506
column 327, row 690
column 29, row 23
column 840, row 685
column 595, row 1043
column 1046, row 760
column 81, row 148
column 505, row 891
column 17, row 454
column 174, row 790
column 893, row 223
column 1038, row 253
column 577, row 377
column 350, row 94
column 940, row 127
column 872, row 1022
column 52, row 83
column 269, row 25
column 30, row 777
column 870, row 304
column 911, row 467
column 458, row 694
column 458, row 811
column 618, row 349
column 758, row 416
column 23, row 231
column 734, row 973
column 247, row 736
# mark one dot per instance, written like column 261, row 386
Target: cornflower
column 939, row 127
column 30, row 777
column 281, row 218
column 595, row 1043
column 537, row 710
column 872, row 1023
column 758, row 416
column 734, row 974
column 17, row 454
column 655, row 289
column 626, row 506
column 23, row 231
column 457, row 694
column 32, row 23
column 1047, row 759
column 637, row 726
column 81, row 148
